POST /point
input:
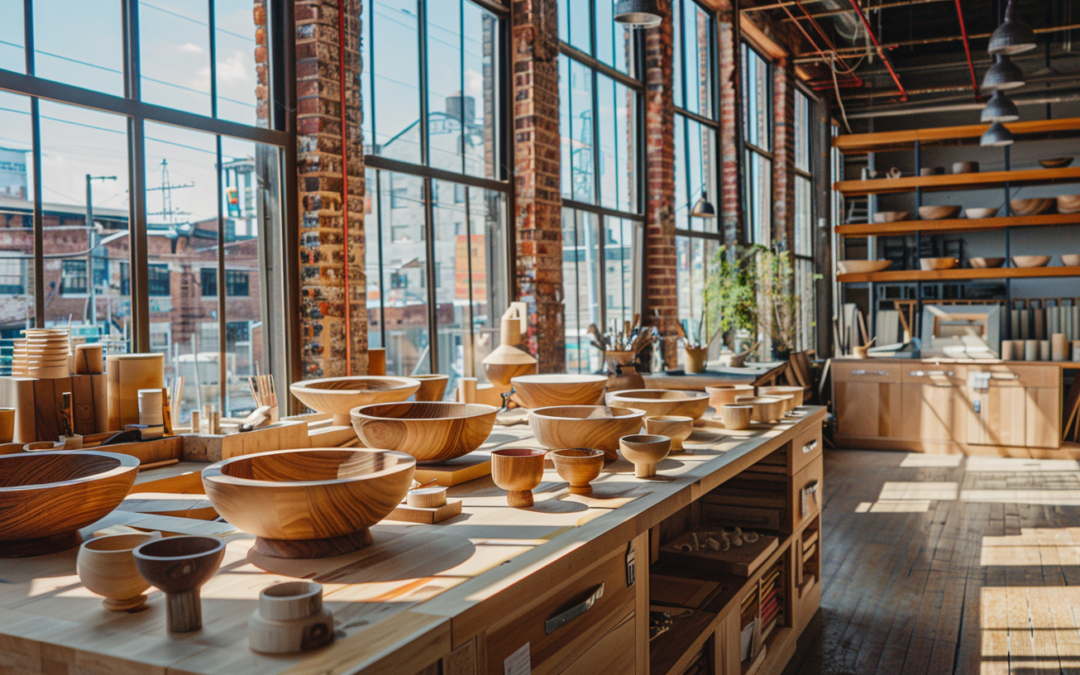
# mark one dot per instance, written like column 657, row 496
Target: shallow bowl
column 1031, row 207
column 986, row 263
column 585, row 426
column 430, row 431
column 980, row 212
column 882, row 217
column 339, row 395
column 927, row 264
column 939, row 212
column 656, row 402
column 862, row 266
column 1031, row 260
column 539, row 391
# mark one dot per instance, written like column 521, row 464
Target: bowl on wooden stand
column 645, row 451
column 518, row 471
column 106, row 566
column 179, row 566
column 432, row 431
column 676, row 427
column 539, row 391
column 736, row 416
column 585, row 426
column 432, row 387
column 311, row 503
column 654, row 402
column 339, row 395
column 579, row 467
column 290, row 619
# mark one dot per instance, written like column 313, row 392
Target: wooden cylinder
column 1031, row 350
column 1076, row 351
column 1059, row 347
column 89, row 359
column 151, row 405
column 695, row 359
column 1007, row 350
column 466, row 390
column 511, row 331
column 127, row 374
column 376, row 361
column 1044, row 350
column 25, row 417
column 196, row 427
column 184, row 611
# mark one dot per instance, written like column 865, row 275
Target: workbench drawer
column 867, row 370
column 805, row 448
column 1043, row 377
column 943, row 375
column 804, row 498
column 566, row 623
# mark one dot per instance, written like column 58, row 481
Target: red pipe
column 817, row 27
column 344, row 189
column 881, row 52
column 967, row 50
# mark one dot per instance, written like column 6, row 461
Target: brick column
column 538, row 201
column 731, row 213
column 661, row 292
column 333, row 315
column 783, row 233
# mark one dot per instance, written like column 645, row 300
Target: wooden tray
column 741, row 561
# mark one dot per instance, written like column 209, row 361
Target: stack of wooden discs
column 20, row 364
column 48, row 352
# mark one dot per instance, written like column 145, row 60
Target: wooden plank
column 956, row 181
column 902, row 227
column 961, row 274
column 896, row 140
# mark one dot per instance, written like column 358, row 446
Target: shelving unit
column 961, row 274
column 904, row 227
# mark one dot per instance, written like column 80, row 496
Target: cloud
column 190, row 48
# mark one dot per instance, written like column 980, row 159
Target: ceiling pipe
column 967, row 51
column 953, row 107
column 876, row 8
column 938, row 40
column 880, row 51
column 851, row 79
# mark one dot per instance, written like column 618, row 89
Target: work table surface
column 400, row 604
column 944, row 360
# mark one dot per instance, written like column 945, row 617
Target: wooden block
column 287, row 435
column 46, row 402
column 166, row 504
column 455, row 471
column 329, row 436
column 149, row 452
column 25, row 420
column 412, row 514
column 181, row 478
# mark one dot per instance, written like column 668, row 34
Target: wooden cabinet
column 867, row 399
column 932, row 403
column 1017, row 406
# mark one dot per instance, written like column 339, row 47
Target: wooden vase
column 579, row 467
column 518, row 471
column 676, row 427
column 645, row 451
column 106, row 566
column 179, row 566
column 508, row 361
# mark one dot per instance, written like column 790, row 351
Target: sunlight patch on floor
column 1029, row 629
column 922, row 491
column 918, row 460
column 893, row 506
column 1037, row 546
column 1010, row 464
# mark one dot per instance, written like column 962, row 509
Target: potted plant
column 777, row 297
column 731, row 294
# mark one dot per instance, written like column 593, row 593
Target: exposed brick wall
column 330, row 266
column 783, row 154
column 661, row 291
column 538, row 201
column 731, row 212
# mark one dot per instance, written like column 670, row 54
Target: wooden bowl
column 965, row 167
column 931, row 171
column 721, row 394
column 539, row 391
column 882, row 217
column 939, row 212
column 676, row 427
column 736, row 416
column 432, row 387
column 1031, row 260
column 290, row 619
column 986, row 263
column 47, row 496
column 579, row 467
column 106, row 566
column 179, row 566
column 937, row 263
column 1056, row 162
column 585, row 426
column 309, row 503
column 980, row 212
column 1031, row 207
column 766, row 408
column 1070, row 259
column 655, row 402
column 430, row 431
column 518, row 471
column 862, row 266
column 1068, row 204
column 645, row 451
column 339, row 395
column 796, row 393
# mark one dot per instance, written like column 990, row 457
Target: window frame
column 746, row 49
column 806, row 175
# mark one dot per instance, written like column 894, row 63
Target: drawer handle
column 932, row 373
column 809, row 447
column 882, row 373
column 559, row 620
column 809, row 494
column 1004, row 376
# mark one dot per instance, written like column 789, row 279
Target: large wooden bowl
column 1031, row 260
column 430, row 431
column 339, row 395
column 862, row 266
column 1068, row 204
column 539, row 391
column 1031, row 207
column 661, row 402
column 766, row 408
column 585, row 426
column 986, row 263
column 882, row 217
column 46, row 497
column 939, row 212
column 928, row 264
column 796, row 393
column 309, row 503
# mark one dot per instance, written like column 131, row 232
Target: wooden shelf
column 957, row 181
column 961, row 135
column 960, row 274
column 902, row 227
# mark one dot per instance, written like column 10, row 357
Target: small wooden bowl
column 339, row 395
column 1056, row 162
column 1031, row 207
column 736, row 416
column 645, row 451
column 676, row 427
column 721, row 394
column 432, row 431
column 290, row 619
column 939, row 212
column 47, row 496
column 862, row 266
column 179, row 566
column 585, row 426
column 986, row 263
column 931, row 171
column 432, row 387
column 518, row 471
column 1068, row 204
column 106, row 566
column 766, row 408
column 882, row 217
column 540, row 391
column 796, row 393
column 310, row 503
column 1070, row 259
column 965, row 167
column 1031, row 260
column 579, row 467
column 928, row 264
column 980, row 212
column 656, row 402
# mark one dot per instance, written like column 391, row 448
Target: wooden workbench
column 757, row 374
column 412, row 598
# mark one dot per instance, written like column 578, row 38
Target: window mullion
column 221, row 288
column 211, row 29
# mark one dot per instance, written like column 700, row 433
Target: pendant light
column 1000, row 109
column 637, row 13
column 703, row 208
column 1012, row 37
column 1003, row 75
column 997, row 135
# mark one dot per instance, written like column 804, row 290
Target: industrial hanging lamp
column 997, row 136
column 637, row 13
column 1003, row 75
column 1012, row 37
column 1000, row 109
column 703, row 208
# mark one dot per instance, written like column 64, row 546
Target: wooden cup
column 518, row 471
column 579, row 467
column 1007, row 350
column 106, row 566
column 645, row 451
column 180, row 566
column 695, row 359
column 722, row 394
column 7, row 425
column 1059, row 347
column 676, row 427
column 432, row 387
column 736, row 416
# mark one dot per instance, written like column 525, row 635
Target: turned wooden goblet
column 180, row 566
column 106, row 566
column 518, row 471
column 579, row 467
column 676, row 427
column 645, row 451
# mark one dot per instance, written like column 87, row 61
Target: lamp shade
column 637, row 13
column 1003, row 75
column 997, row 135
column 1012, row 36
column 1000, row 109
column 703, row 208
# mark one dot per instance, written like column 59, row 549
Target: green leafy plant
column 777, row 297
column 731, row 297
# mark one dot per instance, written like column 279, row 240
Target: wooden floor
column 940, row 564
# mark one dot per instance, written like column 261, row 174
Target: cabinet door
column 998, row 417
column 1043, row 418
column 929, row 412
column 869, row 409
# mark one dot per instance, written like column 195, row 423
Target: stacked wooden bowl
column 1031, row 207
column 1068, row 204
column 339, row 395
column 20, row 363
column 48, row 353
column 929, row 264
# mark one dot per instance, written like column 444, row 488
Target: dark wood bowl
column 179, row 566
column 1031, row 207
column 1056, row 162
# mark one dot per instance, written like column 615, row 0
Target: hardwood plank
column 898, row 140
column 902, row 227
column 961, row 274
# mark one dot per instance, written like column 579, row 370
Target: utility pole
column 92, row 241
